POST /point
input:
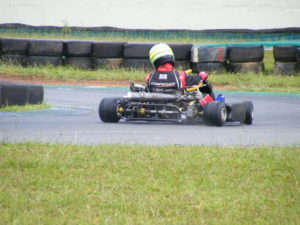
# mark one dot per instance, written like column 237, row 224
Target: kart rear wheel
column 249, row 113
column 108, row 110
column 215, row 113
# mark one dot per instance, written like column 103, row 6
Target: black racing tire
column 250, row 67
column 109, row 63
column 108, row 110
column 286, row 68
column 35, row 94
column 241, row 54
column 181, row 51
column 44, row 60
column 14, row 46
column 108, row 49
column 79, row 62
column 137, row 50
column 143, row 64
column 78, row 48
column 45, row 48
column 285, row 53
column 13, row 93
column 15, row 59
column 208, row 54
column 249, row 113
column 215, row 113
column 218, row 67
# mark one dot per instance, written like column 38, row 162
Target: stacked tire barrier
column 107, row 55
column 210, row 59
column 45, row 52
column 132, row 55
column 14, row 51
column 245, row 59
column 20, row 94
column 287, row 59
column 136, row 55
column 182, row 53
column 78, row 54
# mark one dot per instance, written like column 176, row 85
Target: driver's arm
column 195, row 80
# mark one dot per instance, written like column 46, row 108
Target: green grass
column 116, row 184
column 26, row 107
column 61, row 73
column 266, row 82
column 256, row 83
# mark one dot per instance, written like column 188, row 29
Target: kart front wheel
column 108, row 110
column 215, row 113
column 249, row 113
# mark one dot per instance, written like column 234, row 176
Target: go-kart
column 188, row 105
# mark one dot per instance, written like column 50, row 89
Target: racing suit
column 167, row 80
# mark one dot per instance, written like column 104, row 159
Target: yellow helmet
column 160, row 54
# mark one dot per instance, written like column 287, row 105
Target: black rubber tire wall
column 285, row 53
column 208, row 67
column 137, row 50
column 181, row 51
column 78, row 48
column 108, row 49
column 79, row 62
column 143, row 64
column 15, row 59
column 44, row 60
column 14, row 94
column 14, row 46
column 208, row 54
column 21, row 94
column 35, row 94
column 45, row 48
column 286, row 68
column 250, row 67
column 109, row 63
column 240, row 54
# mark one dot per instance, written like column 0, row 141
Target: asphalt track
column 74, row 120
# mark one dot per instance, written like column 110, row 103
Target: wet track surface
column 74, row 120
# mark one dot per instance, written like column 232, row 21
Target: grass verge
column 23, row 108
column 115, row 184
column 226, row 81
column 266, row 82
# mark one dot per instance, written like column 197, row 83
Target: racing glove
column 203, row 75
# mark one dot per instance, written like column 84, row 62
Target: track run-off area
column 74, row 120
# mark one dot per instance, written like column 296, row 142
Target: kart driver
column 165, row 78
